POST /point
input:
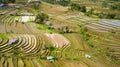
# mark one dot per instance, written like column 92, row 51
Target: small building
column 51, row 58
column 11, row 4
column 87, row 56
column 12, row 41
column 2, row 5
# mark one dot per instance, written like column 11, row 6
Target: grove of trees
column 77, row 7
column 61, row 2
column 41, row 17
column 7, row 1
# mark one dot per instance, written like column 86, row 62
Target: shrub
column 75, row 7
column 50, row 47
column 36, row 6
column 83, row 9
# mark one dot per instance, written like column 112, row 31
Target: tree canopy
column 41, row 17
column 7, row 1
column 61, row 2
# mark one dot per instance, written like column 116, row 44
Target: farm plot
column 11, row 21
column 25, row 43
column 14, row 24
column 105, row 26
column 35, row 62
column 77, row 49
column 4, row 11
column 114, row 48
column 28, row 51
column 3, row 18
column 58, row 40
column 75, row 40
column 80, row 19
column 69, row 63
column 2, row 27
column 53, row 10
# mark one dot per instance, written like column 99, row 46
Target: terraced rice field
column 30, row 42
column 8, row 24
column 58, row 40
column 26, row 43
column 105, row 26
column 32, row 46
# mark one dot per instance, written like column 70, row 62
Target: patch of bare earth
column 58, row 40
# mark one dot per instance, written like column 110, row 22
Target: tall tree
column 12, row 1
column 83, row 9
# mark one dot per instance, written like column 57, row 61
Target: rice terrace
column 59, row 33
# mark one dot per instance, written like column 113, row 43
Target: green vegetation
column 50, row 47
column 41, row 18
column 36, row 6
column 77, row 7
column 3, row 36
column 65, row 29
column 46, row 28
column 100, row 8
column 86, row 36
column 61, row 2
column 83, row 9
column 111, row 5
column 7, row 1
column 78, row 34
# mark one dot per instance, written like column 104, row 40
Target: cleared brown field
column 58, row 40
